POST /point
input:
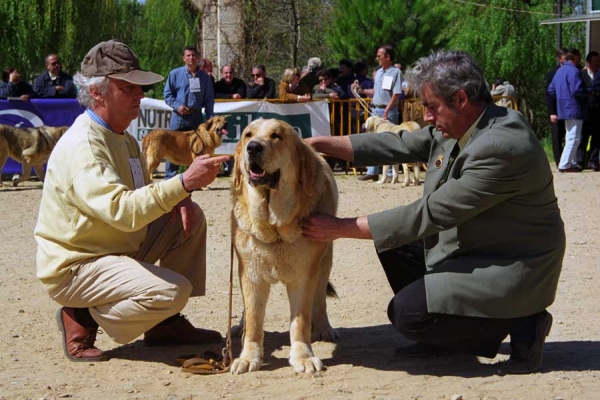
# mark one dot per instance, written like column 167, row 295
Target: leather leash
column 360, row 100
column 209, row 362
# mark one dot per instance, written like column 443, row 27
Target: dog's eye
column 248, row 135
column 275, row 135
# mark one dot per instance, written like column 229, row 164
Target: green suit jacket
column 493, row 235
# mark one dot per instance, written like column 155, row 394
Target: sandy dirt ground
column 360, row 365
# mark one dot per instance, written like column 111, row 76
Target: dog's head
column 271, row 151
column 371, row 124
column 211, row 134
column 218, row 124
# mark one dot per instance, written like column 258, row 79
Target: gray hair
column 83, row 84
column 447, row 72
column 314, row 63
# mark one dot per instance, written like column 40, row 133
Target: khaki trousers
column 128, row 295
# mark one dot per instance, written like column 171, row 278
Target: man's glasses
column 323, row 79
column 257, row 75
column 55, row 63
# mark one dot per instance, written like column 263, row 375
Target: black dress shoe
column 422, row 350
column 368, row 178
column 525, row 360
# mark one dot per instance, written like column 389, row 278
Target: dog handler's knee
column 410, row 321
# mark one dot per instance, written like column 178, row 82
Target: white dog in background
column 375, row 124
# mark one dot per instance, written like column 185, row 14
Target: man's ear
column 95, row 93
column 462, row 98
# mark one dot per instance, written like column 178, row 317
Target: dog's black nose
column 254, row 148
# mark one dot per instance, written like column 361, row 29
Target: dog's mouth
column 222, row 131
column 260, row 177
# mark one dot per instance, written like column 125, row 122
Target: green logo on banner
column 237, row 122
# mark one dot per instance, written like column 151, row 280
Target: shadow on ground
column 373, row 347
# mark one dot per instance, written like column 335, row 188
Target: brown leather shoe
column 368, row 178
column 78, row 341
column 180, row 332
column 524, row 360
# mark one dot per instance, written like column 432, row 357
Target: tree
column 413, row 27
column 34, row 28
column 507, row 40
column 163, row 29
column 285, row 33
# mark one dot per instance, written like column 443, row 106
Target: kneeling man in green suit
column 479, row 256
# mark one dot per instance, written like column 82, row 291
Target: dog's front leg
column 25, row 173
column 384, row 171
column 406, row 171
column 301, row 294
column 39, row 172
column 255, row 302
column 395, row 178
column 417, row 171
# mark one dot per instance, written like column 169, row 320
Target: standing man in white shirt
column 386, row 94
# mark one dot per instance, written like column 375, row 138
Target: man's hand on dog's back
column 202, row 171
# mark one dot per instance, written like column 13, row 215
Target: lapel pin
column 439, row 161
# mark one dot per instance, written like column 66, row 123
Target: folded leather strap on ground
column 202, row 366
column 206, row 363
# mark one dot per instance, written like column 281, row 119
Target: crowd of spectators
column 296, row 85
column 54, row 83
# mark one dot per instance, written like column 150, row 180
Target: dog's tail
column 331, row 291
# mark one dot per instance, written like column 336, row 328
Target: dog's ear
column 196, row 145
column 208, row 125
column 308, row 167
column 237, row 166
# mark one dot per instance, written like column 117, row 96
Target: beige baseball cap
column 116, row 60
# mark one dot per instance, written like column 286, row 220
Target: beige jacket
column 90, row 206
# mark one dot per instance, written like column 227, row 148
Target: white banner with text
column 308, row 119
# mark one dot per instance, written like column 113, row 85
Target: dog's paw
column 16, row 179
column 243, row 365
column 306, row 364
column 326, row 334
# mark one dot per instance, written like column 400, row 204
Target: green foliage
column 507, row 40
column 413, row 27
column 34, row 28
column 163, row 29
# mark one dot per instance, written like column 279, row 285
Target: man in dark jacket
column 260, row 87
column 54, row 83
column 230, row 87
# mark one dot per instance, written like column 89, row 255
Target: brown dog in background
column 29, row 146
column 182, row 147
column 377, row 124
